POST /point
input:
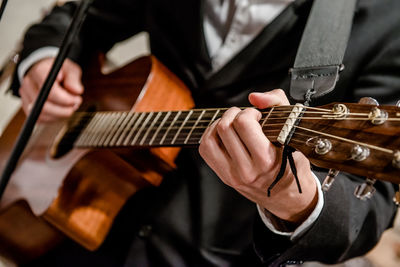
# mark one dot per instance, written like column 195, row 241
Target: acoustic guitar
column 75, row 175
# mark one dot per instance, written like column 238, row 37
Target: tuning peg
column 366, row 190
column 368, row 101
column 329, row 179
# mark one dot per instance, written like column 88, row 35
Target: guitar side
column 89, row 187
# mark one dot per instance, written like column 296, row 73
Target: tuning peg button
column 329, row 179
column 378, row 116
column 323, row 146
column 368, row 101
column 366, row 190
column 359, row 153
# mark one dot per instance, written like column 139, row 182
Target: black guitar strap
column 319, row 60
column 322, row 47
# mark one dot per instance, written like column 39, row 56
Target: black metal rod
column 3, row 6
column 30, row 122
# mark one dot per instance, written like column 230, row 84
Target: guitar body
column 80, row 193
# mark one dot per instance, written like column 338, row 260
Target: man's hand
column 65, row 95
column 236, row 148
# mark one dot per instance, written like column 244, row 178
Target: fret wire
column 163, row 127
column 169, row 128
column 212, row 120
column 120, row 128
column 131, row 119
column 131, row 131
column 150, row 127
column 104, row 126
column 194, row 126
column 97, row 130
column 107, row 126
column 160, row 126
column 113, row 127
column 100, row 130
column 183, row 124
column 266, row 118
column 137, row 135
column 85, row 133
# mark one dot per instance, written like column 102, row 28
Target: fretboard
column 130, row 129
column 144, row 129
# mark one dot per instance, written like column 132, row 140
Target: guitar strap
column 318, row 60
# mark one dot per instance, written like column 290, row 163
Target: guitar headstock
column 361, row 139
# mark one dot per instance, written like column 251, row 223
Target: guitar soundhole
column 70, row 132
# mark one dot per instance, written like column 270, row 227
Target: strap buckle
column 321, row 79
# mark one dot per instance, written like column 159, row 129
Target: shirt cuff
column 302, row 228
column 35, row 56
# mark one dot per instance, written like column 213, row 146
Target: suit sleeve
column 107, row 23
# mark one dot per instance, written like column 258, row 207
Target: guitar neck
column 146, row 129
column 153, row 129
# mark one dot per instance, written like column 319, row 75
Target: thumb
column 275, row 97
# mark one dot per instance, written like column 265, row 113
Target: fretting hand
column 236, row 148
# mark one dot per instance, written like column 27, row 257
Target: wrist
column 287, row 203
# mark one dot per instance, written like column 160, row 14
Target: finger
column 28, row 89
column 275, row 97
column 248, row 128
column 214, row 153
column 26, row 103
column 56, row 111
column 232, row 142
column 26, row 99
column 72, row 78
column 60, row 96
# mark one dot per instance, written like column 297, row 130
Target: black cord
column 3, row 6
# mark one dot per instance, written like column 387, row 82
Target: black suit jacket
column 193, row 219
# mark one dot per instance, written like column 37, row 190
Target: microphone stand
column 30, row 122
column 2, row 7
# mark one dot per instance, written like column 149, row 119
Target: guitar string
column 269, row 125
column 203, row 127
column 80, row 115
column 329, row 117
column 180, row 140
column 388, row 151
column 114, row 129
column 188, row 122
column 385, row 150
